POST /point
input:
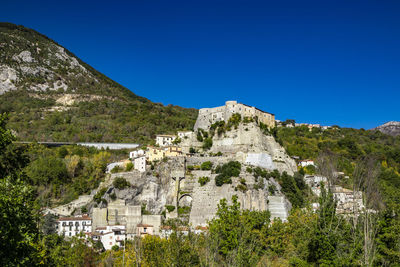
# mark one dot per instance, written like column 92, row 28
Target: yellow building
column 173, row 151
column 158, row 153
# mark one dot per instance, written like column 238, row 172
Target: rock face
column 391, row 128
column 247, row 144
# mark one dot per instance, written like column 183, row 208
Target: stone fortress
column 173, row 180
column 208, row 116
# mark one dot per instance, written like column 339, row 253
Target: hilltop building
column 208, row 116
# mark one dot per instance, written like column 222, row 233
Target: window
column 110, row 243
column 69, row 233
column 144, row 229
column 110, row 237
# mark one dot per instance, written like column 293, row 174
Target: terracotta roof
column 81, row 218
column 199, row 227
column 165, row 227
column 101, row 228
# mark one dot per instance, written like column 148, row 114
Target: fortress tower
column 208, row 116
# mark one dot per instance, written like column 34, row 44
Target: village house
column 173, row 151
column 165, row 139
column 144, row 229
column 158, row 153
column 307, row 162
column 140, row 163
column 155, row 153
column 72, row 226
column 110, row 235
column 136, row 153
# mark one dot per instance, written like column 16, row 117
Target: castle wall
column 208, row 116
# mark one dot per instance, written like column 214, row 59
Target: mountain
column 51, row 95
column 391, row 128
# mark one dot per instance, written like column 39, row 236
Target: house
column 307, row 162
column 155, row 153
column 158, row 153
column 140, row 163
column 144, row 229
column 136, row 153
column 165, row 139
column 110, row 235
column 173, row 151
column 72, row 226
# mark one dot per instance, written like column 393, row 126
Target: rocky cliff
column 391, row 128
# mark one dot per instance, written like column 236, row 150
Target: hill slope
column 51, row 95
column 391, row 128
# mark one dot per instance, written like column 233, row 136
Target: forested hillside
column 51, row 95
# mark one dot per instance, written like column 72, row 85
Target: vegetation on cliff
column 57, row 97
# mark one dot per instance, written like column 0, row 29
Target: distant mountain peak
column 391, row 128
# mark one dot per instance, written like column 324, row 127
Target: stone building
column 208, row 116
column 110, row 235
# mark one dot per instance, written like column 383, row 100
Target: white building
column 140, row 163
column 165, row 139
column 110, row 235
column 306, row 162
column 136, row 153
column 72, row 226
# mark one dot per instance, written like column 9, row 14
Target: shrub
column 116, row 169
column 192, row 150
column 113, row 196
column 203, row 180
column 98, row 196
column 121, row 183
column 170, row 208
column 241, row 187
column 226, row 172
column 129, row 167
column 206, row 166
column 272, row 189
column 249, row 170
column 207, row 144
column 190, row 167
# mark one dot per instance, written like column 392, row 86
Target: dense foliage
column 226, row 172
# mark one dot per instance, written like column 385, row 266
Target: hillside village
column 180, row 177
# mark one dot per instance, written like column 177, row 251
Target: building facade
column 72, row 226
column 110, row 235
column 165, row 139
column 208, row 116
column 140, row 163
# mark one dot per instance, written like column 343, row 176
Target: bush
column 192, row 150
column 203, row 180
column 206, row 166
column 121, row 183
column 207, row 144
column 129, row 167
column 113, row 196
column 99, row 195
column 226, row 172
column 170, row 208
column 272, row 189
column 190, row 167
column 116, row 169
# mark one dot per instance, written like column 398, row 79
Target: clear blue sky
column 328, row 62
